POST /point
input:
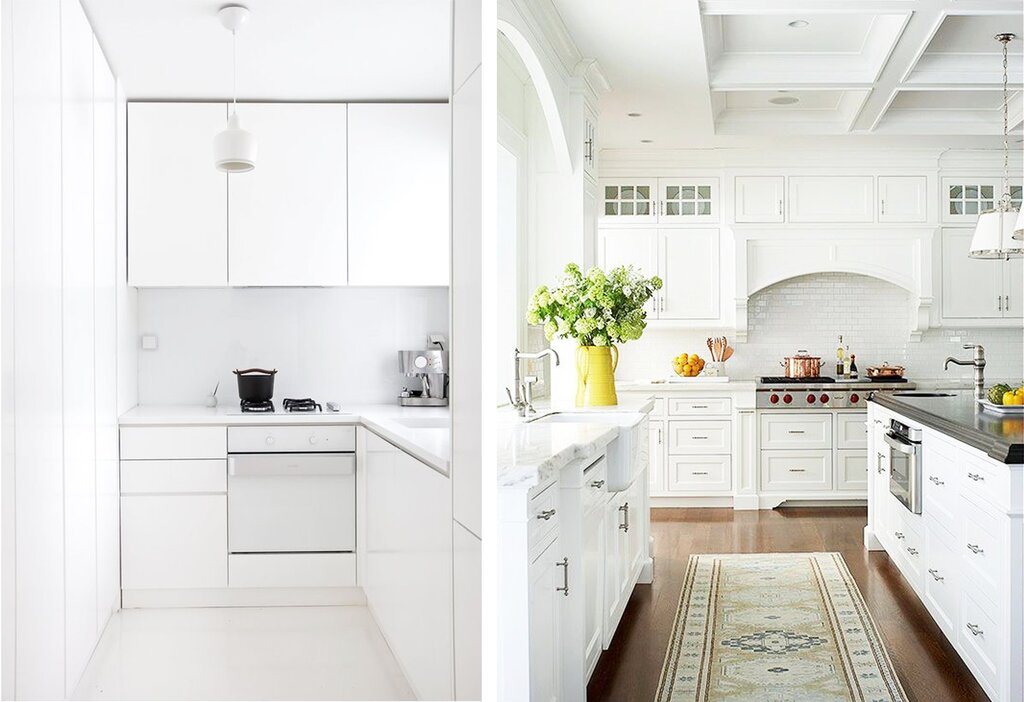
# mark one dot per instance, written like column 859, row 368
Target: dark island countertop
column 961, row 418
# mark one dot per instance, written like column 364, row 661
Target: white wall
column 810, row 312
column 326, row 343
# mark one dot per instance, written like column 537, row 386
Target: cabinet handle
column 976, row 477
column 698, row 406
column 597, row 484
column 699, row 438
column 699, row 472
column 796, row 431
column 589, row 143
column 935, row 574
column 1006, row 307
column 911, row 551
column 999, row 302
column 899, row 534
column 780, row 206
column 936, row 480
column 624, row 526
column 797, row 470
column 659, row 436
column 564, row 563
column 975, row 629
column 974, row 548
column 546, row 514
column 881, row 468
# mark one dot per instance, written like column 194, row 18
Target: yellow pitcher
column 595, row 376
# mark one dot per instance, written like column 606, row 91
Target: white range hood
column 902, row 256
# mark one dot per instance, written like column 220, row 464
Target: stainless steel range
column 778, row 392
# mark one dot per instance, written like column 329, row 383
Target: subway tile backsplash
column 810, row 312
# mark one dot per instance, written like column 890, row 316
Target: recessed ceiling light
column 634, row 114
column 647, row 141
column 799, row 24
column 784, row 100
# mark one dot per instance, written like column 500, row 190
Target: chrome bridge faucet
column 523, row 399
column 979, row 368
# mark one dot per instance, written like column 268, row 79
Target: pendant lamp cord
column 234, row 70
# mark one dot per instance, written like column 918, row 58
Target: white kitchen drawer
column 984, row 481
column 852, row 470
column 208, row 475
column 291, row 439
column 292, row 570
column 543, row 516
column 979, row 637
column 980, row 546
column 595, row 484
column 173, row 442
column 699, row 406
column 796, row 431
column 796, row 471
column 851, row 430
column 698, row 437
column 941, row 579
column 699, row 473
column 940, row 487
column 909, row 542
column 659, row 407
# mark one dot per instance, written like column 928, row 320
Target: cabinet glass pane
column 955, row 192
column 643, row 208
column 672, row 192
column 643, row 192
column 627, row 193
column 687, row 200
column 610, row 208
column 610, row 192
column 704, row 192
column 986, row 191
column 704, row 208
column 672, row 209
column 971, row 208
column 971, row 192
column 627, row 200
column 688, row 193
column 956, row 208
column 688, row 208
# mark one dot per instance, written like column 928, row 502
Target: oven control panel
column 804, row 398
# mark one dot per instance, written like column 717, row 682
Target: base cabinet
column 545, row 625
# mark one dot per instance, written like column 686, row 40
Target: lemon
column 1008, row 398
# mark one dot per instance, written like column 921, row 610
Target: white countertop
column 697, row 384
column 431, row 445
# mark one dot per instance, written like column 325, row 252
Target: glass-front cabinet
column 965, row 198
column 629, row 200
column 687, row 200
column 662, row 200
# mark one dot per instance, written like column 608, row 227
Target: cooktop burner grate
column 306, row 404
column 250, row 406
column 776, row 379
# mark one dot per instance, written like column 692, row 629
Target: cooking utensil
column 727, row 354
column 802, row 365
column 885, row 371
column 255, row 384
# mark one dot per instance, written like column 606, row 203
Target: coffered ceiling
column 700, row 70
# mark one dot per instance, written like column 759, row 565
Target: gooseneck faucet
column 979, row 368
column 522, row 400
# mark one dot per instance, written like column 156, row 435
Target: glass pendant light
column 234, row 149
column 996, row 234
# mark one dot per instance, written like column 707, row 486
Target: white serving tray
column 700, row 379
column 1012, row 410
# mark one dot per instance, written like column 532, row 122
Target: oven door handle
column 288, row 465
column 904, row 447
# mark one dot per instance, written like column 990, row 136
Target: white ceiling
column 701, row 72
column 289, row 49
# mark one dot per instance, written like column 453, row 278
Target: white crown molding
column 650, row 162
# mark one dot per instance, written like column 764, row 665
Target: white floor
column 243, row 653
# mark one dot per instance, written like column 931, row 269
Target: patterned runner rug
column 779, row 627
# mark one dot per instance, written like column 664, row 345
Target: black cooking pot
column 255, row 384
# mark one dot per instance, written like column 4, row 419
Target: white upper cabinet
column 687, row 200
column 398, row 195
column 690, row 271
column 1013, row 288
column 590, row 144
column 972, row 288
column 287, row 217
column 760, row 199
column 902, row 199
column 965, row 197
column 631, row 247
column 825, row 199
column 629, row 200
column 177, row 200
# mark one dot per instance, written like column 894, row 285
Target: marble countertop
column 424, row 432
column 697, row 384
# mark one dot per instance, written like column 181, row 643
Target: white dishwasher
column 291, row 490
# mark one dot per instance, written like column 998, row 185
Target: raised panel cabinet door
column 760, row 199
column 824, row 199
column 614, row 567
column 852, row 470
column 591, row 582
column 468, row 611
column 902, row 199
column 545, row 576
column 177, row 199
column 656, row 468
column 287, row 217
column 631, row 247
column 628, row 200
column 972, row 288
column 690, row 272
column 398, row 194
column 1013, row 288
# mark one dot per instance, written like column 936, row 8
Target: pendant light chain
column 1005, row 199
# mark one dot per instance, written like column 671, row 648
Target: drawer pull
column 699, row 406
column 796, row 431
column 975, row 629
column 597, row 484
column 702, row 438
column 974, row 548
column 624, row 526
column 899, row 535
column 936, row 480
column 797, row 470
column 699, row 472
column 881, row 460
column 546, row 514
column 935, row 574
column 564, row 563
column 976, row 477
column 912, row 551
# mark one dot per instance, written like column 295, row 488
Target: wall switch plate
column 438, row 339
column 149, row 342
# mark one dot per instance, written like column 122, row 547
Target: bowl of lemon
column 688, row 365
column 1004, row 399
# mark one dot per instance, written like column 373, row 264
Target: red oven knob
column 787, row 398
column 854, row 398
column 824, row 399
column 810, row 399
column 774, row 399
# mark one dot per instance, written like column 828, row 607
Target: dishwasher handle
column 288, row 465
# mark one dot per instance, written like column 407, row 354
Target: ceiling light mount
column 233, row 16
column 234, row 149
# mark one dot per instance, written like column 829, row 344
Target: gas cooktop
column 824, row 392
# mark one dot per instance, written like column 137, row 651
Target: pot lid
column 802, row 353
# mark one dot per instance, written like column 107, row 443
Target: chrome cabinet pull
column 1007, row 305
column 976, row 477
column 624, row 526
column 936, row 480
column 796, row 431
column 698, row 438
column 1000, row 302
column 975, row 629
column 597, row 483
column 546, row 514
column 698, row 406
column 659, row 436
column 899, row 535
column 883, row 206
column 797, row 470
column 699, row 472
column 911, row 551
column 935, row 574
column 780, row 206
column 564, row 563
column 881, row 458
column 974, row 548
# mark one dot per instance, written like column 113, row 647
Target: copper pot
column 802, row 365
column 885, row 371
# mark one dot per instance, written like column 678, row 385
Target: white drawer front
column 852, row 470
column 700, row 473
column 291, row 439
column 979, row 636
column 909, row 543
column 139, row 477
column 659, row 407
column 796, row 431
column 595, row 484
column 984, row 481
column 173, row 442
column 690, row 437
column 941, row 487
column 699, row 406
column 980, row 547
column 292, row 570
column 851, row 431
column 798, row 471
column 543, row 516
column 941, row 593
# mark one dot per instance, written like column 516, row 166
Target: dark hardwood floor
column 927, row 665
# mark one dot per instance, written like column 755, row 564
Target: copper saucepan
column 885, row 371
column 802, row 365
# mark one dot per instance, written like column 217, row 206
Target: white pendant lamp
column 234, row 149
column 997, row 232
column 1018, row 229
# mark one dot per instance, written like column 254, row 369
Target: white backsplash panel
column 327, row 343
column 810, row 312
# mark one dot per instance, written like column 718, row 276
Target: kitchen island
column 946, row 503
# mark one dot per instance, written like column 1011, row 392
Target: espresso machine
column 428, row 369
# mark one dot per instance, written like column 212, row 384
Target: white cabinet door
column 822, row 199
column 631, row 247
column 629, row 200
column 971, row 287
column 1013, row 288
column 687, row 200
column 634, row 535
column 760, row 198
column 614, row 567
column 656, row 469
column 287, row 217
column 468, row 613
column 852, row 470
column 689, row 269
column 174, row 541
column 545, row 577
column 398, row 194
column 177, row 200
column 902, row 199
column 591, row 580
